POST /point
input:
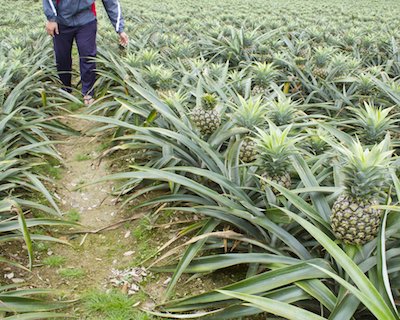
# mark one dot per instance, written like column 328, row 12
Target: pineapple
column 315, row 141
column 282, row 110
column 237, row 81
column 373, row 123
column 263, row 74
column 353, row 219
column 149, row 56
column 321, row 57
column 249, row 114
column 365, row 85
column 205, row 117
column 133, row 60
column 160, row 79
column 274, row 151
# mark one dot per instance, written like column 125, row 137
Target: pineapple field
column 239, row 162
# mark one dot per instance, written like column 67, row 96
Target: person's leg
column 63, row 53
column 86, row 42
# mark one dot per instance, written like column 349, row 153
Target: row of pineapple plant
column 271, row 106
column 267, row 153
column 28, row 125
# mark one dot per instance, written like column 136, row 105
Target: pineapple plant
column 249, row 114
column 365, row 84
column 237, row 81
column 354, row 219
column 282, row 110
column 262, row 75
column 301, row 54
column 133, row 60
column 372, row 123
column 149, row 57
column 315, row 141
column 321, row 59
column 274, row 150
column 160, row 79
column 205, row 116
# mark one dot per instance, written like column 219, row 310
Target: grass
column 74, row 106
column 41, row 246
column 54, row 261
column 73, row 215
column 104, row 146
column 52, row 168
column 146, row 248
column 114, row 306
column 73, row 273
column 82, row 157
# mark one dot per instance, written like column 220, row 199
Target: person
column 69, row 20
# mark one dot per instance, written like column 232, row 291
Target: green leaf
column 220, row 261
column 258, row 284
column 376, row 303
column 188, row 256
column 275, row 307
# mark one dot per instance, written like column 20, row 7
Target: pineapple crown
column 209, row 101
column 159, row 77
column 374, row 122
column 322, row 55
column 149, row 56
column 250, row 113
column 282, row 110
column 365, row 83
column 133, row 60
column 176, row 97
column 263, row 73
column 315, row 141
column 274, row 149
column 365, row 171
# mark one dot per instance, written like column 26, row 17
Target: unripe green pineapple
column 321, row 59
column 300, row 62
column 249, row 114
column 274, row 150
column 205, row 117
column 262, row 76
column 353, row 219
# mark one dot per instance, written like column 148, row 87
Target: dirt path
column 87, row 264
column 95, row 203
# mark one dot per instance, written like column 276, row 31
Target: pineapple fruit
column 205, row 117
column 262, row 76
column 249, row 114
column 354, row 220
column 321, row 58
column 274, row 150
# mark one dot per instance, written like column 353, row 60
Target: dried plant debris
column 128, row 280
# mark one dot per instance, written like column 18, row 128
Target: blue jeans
column 85, row 37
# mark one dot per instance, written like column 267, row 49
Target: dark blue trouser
column 85, row 37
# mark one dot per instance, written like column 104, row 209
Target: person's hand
column 52, row 28
column 123, row 39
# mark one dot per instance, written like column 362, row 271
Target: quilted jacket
column 74, row 13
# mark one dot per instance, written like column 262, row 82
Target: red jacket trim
column 93, row 8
